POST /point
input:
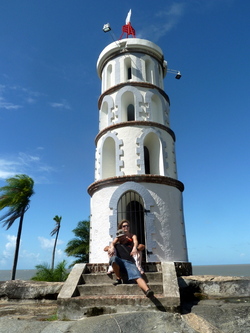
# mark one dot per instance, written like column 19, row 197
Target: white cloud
column 63, row 105
column 21, row 96
column 48, row 243
column 29, row 256
column 8, row 250
column 8, row 105
column 8, row 168
column 10, row 246
column 25, row 163
column 26, row 159
column 59, row 253
column 166, row 21
column 30, row 100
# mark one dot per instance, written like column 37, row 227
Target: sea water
column 221, row 270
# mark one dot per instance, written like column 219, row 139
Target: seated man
column 137, row 257
column 123, row 259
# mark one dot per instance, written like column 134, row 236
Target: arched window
column 152, row 154
column 148, row 71
column 104, row 116
column 109, row 76
column 128, row 69
column 130, row 206
column 127, row 106
column 108, row 158
column 131, row 112
column 156, row 109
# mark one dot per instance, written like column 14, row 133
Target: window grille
column 131, row 207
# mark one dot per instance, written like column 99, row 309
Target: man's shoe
column 149, row 293
column 118, row 281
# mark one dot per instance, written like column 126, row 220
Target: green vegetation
column 52, row 318
column 16, row 196
column 78, row 247
column 45, row 273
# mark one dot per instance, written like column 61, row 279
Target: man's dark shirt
column 123, row 252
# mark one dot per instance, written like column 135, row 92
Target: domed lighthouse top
column 130, row 50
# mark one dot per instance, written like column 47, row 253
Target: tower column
column 135, row 163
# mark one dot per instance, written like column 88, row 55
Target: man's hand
column 111, row 250
column 134, row 251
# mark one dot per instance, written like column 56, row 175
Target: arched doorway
column 130, row 206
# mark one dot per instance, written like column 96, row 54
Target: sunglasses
column 125, row 225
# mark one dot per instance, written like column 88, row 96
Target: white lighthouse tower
column 135, row 163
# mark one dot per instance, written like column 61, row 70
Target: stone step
column 103, row 267
column 123, row 289
column 80, row 307
column 104, row 278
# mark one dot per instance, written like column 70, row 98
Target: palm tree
column 45, row 273
column 55, row 231
column 79, row 247
column 16, row 196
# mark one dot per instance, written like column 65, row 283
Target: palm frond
column 9, row 218
column 78, row 247
column 58, row 224
column 15, row 196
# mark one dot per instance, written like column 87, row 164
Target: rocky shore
column 209, row 304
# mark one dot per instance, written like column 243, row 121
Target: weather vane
column 127, row 28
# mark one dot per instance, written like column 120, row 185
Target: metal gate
column 130, row 207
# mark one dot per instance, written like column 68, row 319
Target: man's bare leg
column 116, row 269
column 142, row 284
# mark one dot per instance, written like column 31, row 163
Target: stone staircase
column 89, row 291
column 100, row 284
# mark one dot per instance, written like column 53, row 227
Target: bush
column 44, row 273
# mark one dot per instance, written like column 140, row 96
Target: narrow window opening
column 148, row 71
column 146, row 161
column 131, row 112
column 129, row 73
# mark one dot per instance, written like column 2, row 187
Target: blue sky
column 49, row 115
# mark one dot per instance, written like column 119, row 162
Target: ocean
column 221, row 270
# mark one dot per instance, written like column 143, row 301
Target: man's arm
column 134, row 250
column 111, row 250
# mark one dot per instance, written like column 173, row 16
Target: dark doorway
column 130, row 207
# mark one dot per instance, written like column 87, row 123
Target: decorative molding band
column 134, row 123
column 99, row 184
column 131, row 83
